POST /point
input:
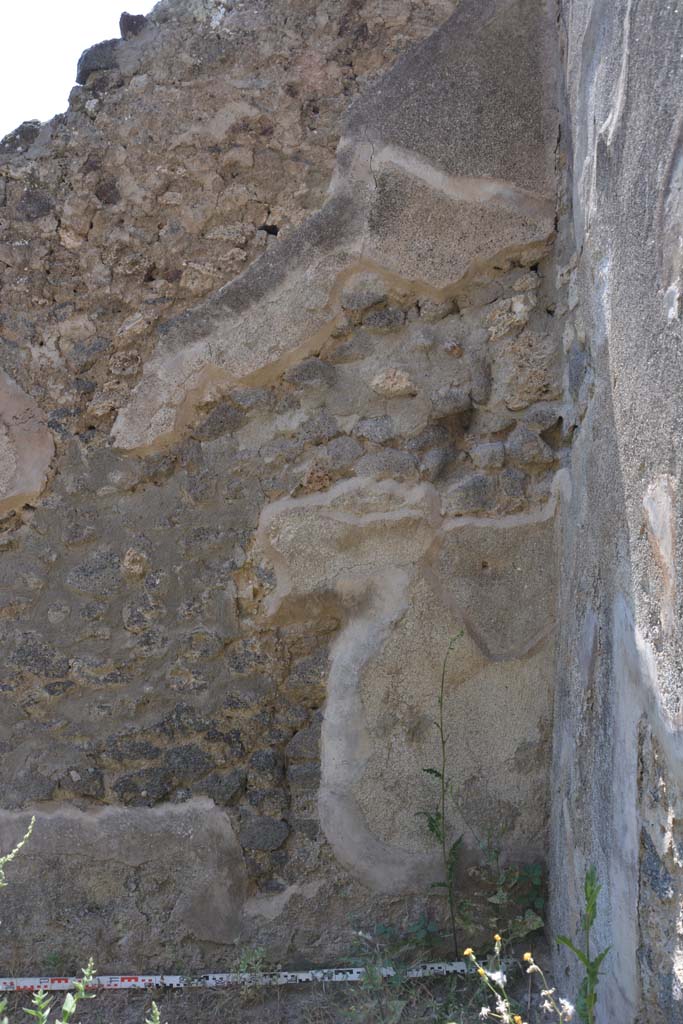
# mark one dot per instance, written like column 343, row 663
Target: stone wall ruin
column 306, row 314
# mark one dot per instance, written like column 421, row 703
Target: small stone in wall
column 100, row 57
column 475, row 493
column 317, row 478
column 144, row 788
column 542, row 417
column 124, row 364
column 526, row 283
column 8, row 459
column 384, row 319
column 311, row 371
column 436, row 435
column 432, row 310
column 303, row 776
column 85, row 353
column 489, row 455
column 107, row 192
column 343, row 451
column 38, row 657
column 224, row 418
column 135, row 563
column 98, row 574
column 319, row 429
column 528, row 369
column 433, row 463
column 508, row 316
column 305, row 744
column 34, row 204
column 375, row 428
column 450, row 400
column 21, row 138
column 527, row 448
column 131, row 24
column 512, row 483
column 653, row 868
column 393, row 383
column 388, row 463
column 84, row 782
column 225, row 789
column 267, row 763
column 363, row 291
column 263, row 833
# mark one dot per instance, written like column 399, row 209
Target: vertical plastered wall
column 617, row 752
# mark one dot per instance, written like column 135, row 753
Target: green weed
column 588, row 993
column 436, row 820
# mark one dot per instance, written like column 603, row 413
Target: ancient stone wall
column 332, row 331
column 287, row 409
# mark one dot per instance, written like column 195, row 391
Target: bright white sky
column 40, row 43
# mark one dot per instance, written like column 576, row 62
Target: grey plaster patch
column 145, row 874
column 26, row 447
column 508, row 40
column 497, row 574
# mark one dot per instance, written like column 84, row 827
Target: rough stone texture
column 316, row 351
column 182, row 860
column 282, row 290
column 387, row 188
column 617, row 798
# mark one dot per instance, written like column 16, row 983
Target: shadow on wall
column 618, row 745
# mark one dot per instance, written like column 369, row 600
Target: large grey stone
column 100, row 57
column 262, row 833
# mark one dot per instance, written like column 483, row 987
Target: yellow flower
column 528, row 957
column 516, row 1019
column 497, row 938
column 468, row 952
column 481, row 971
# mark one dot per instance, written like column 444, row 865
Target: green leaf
column 453, row 859
column 435, row 824
column 577, row 952
column 68, row 1007
column 155, row 1016
column 600, row 957
column 522, row 926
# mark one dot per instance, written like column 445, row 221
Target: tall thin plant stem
column 445, row 785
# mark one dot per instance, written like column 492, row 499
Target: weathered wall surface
column 617, row 771
column 255, row 482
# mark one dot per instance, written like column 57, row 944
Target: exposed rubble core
column 269, row 510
